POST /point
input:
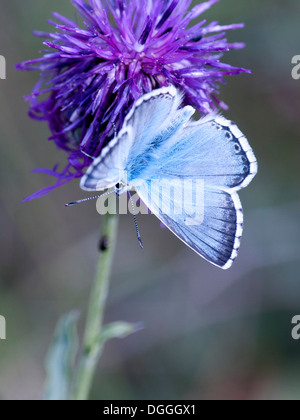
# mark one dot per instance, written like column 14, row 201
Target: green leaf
column 61, row 359
column 118, row 330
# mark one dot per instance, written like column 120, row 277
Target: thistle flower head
column 93, row 73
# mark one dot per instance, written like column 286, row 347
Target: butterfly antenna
column 135, row 222
column 88, row 199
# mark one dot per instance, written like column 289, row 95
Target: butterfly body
column 204, row 162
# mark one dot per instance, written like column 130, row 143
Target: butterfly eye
column 118, row 188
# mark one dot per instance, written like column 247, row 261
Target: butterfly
column 160, row 141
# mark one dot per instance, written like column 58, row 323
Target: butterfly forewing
column 214, row 150
column 141, row 126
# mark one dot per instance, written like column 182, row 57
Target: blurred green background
column 208, row 334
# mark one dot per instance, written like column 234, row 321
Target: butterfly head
column 120, row 188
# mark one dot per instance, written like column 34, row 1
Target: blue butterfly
column 159, row 141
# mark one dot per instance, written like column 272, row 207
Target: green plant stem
column 94, row 323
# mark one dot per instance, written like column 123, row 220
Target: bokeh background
column 208, row 334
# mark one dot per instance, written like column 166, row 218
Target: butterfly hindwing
column 212, row 228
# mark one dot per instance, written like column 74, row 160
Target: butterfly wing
column 213, row 149
column 147, row 117
column 213, row 231
column 105, row 171
column 215, row 152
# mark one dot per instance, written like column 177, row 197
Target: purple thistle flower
column 93, row 75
